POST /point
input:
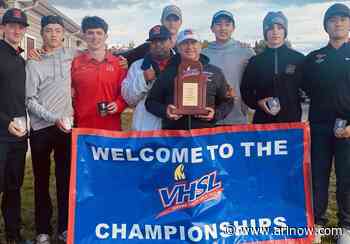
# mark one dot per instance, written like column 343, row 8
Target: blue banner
column 236, row 184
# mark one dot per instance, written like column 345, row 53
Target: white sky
column 130, row 20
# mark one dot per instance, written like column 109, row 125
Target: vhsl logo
column 189, row 194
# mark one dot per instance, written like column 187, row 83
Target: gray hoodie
column 232, row 59
column 48, row 88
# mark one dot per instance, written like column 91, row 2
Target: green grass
column 28, row 199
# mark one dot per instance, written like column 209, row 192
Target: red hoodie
column 94, row 82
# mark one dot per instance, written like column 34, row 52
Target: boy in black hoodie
column 13, row 141
column 272, row 75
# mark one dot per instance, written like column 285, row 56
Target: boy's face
column 223, row 29
column 95, row 38
column 14, row 32
column 173, row 24
column 338, row 27
column 53, row 35
column 275, row 35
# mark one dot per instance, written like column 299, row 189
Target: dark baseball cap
column 51, row 19
column 337, row 9
column 222, row 13
column 15, row 15
column 158, row 32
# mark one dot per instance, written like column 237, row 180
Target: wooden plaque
column 190, row 89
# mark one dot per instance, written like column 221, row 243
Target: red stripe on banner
column 72, row 189
column 189, row 133
column 307, row 179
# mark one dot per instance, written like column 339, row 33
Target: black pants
column 324, row 147
column 12, row 164
column 43, row 142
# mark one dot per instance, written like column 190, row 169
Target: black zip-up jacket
column 274, row 73
column 12, row 89
column 162, row 94
column 326, row 80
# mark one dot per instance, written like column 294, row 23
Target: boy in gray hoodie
column 49, row 104
column 232, row 57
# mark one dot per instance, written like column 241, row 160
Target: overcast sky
column 130, row 20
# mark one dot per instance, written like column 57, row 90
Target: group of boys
column 62, row 87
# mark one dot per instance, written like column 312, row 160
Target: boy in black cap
column 13, row 141
column 326, row 80
column 49, row 104
column 142, row 75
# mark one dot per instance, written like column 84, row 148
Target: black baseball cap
column 15, row 15
column 222, row 13
column 158, row 32
column 337, row 9
column 51, row 19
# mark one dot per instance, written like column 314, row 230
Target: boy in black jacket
column 326, row 81
column 13, row 141
column 272, row 75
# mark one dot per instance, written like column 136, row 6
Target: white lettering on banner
column 263, row 149
column 210, row 232
column 197, row 156
column 135, row 232
column 100, row 153
column 195, row 233
column 121, row 231
column 247, row 146
column 143, row 155
column 154, row 233
column 102, row 234
column 193, row 155
column 169, row 231
column 180, row 155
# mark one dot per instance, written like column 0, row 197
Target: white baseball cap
column 187, row 34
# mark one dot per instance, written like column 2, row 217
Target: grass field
column 28, row 201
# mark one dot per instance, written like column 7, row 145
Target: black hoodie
column 162, row 94
column 274, row 73
column 12, row 89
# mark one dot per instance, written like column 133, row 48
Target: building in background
column 35, row 9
